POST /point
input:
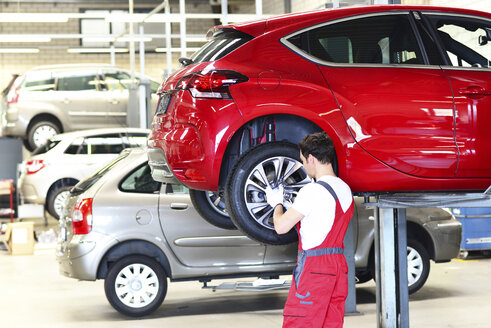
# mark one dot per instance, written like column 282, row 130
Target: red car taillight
column 212, row 84
column 13, row 94
column 34, row 165
column 82, row 217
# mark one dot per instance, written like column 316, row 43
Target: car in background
column 403, row 91
column 48, row 100
column 3, row 104
column 122, row 226
column 54, row 168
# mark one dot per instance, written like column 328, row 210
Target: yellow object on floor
column 19, row 238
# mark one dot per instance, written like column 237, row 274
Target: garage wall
column 273, row 7
column 55, row 52
column 482, row 5
column 304, row 5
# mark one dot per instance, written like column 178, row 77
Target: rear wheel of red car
column 211, row 206
column 267, row 164
column 136, row 285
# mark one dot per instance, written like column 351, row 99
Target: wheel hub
column 136, row 285
column 42, row 134
column 272, row 172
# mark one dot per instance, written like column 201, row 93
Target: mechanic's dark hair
column 318, row 145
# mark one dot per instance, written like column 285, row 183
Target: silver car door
column 195, row 242
column 78, row 95
column 115, row 88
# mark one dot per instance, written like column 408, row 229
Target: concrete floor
column 33, row 294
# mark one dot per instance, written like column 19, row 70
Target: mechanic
column 321, row 212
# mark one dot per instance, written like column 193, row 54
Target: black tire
column 56, row 199
column 212, row 208
column 418, row 265
column 363, row 276
column 25, row 142
column 242, row 189
column 39, row 133
column 154, row 283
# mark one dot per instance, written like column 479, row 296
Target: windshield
column 85, row 184
column 223, row 42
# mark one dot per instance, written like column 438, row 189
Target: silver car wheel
column 216, row 202
column 59, row 202
column 273, row 171
column 42, row 134
column 136, row 285
column 414, row 266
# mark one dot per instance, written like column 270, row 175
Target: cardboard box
column 19, row 238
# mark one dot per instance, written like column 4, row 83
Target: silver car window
column 91, row 180
column 175, row 189
column 78, row 81
column 100, row 144
column 140, row 181
column 136, row 140
column 38, row 81
column 116, row 81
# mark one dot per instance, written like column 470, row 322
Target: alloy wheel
column 217, row 202
column 273, row 171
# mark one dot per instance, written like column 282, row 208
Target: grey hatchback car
column 48, row 100
column 122, row 226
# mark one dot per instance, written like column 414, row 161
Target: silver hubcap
column 137, row 285
column 216, row 202
column 414, row 266
column 42, row 134
column 273, row 172
column 59, row 202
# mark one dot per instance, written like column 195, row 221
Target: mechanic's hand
column 287, row 204
column 274, row 196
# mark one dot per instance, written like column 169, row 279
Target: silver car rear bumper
column 77, row 258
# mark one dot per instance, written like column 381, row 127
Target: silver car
column 122, row 226
column 54, row 168
column 47, row 100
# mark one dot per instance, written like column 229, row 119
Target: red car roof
column 256, row 28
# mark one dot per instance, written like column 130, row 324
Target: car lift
column 391, row 247
column 273, row 282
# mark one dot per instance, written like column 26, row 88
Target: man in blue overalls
column 321, row 212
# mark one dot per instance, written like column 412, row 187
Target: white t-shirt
column 318, row 207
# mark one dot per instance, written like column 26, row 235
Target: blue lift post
column 391, row 247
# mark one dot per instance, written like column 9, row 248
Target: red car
column 404, row 92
